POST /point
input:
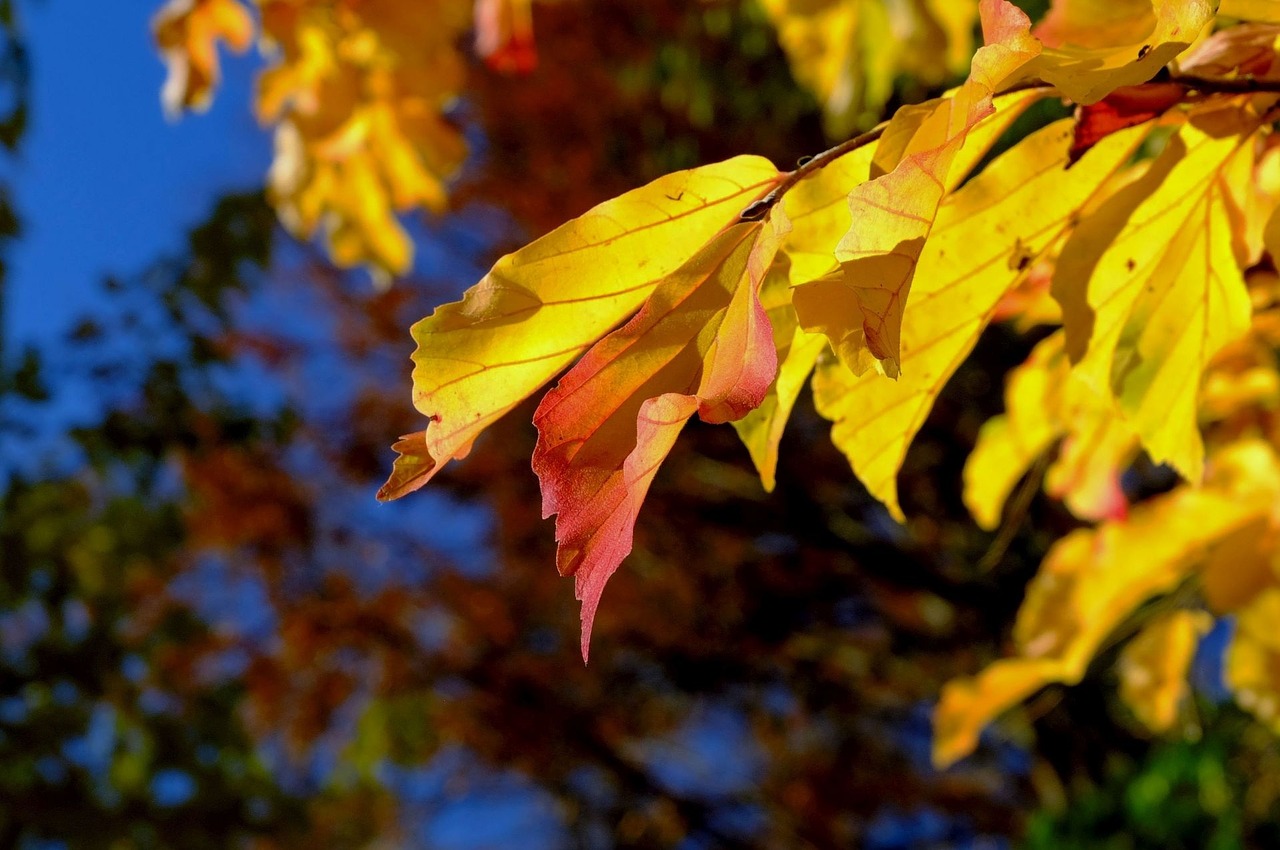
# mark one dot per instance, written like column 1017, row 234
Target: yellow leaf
column 1045, row 403
column 860, row 309
column 1267, row 11
column 818, row 206
column 848, row 52
column 187, row 33
column 359, row 95
column 1243, row 565
column 1153, row 667
column 761, row 429
column 1163, row 290
column 1019, row 205
column 1090, row 581
column 541, row 307
column 967, row 705
column 1093, row 47
column 1253, row 659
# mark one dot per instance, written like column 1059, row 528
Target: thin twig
column 812, row 165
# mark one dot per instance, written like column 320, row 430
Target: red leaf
column 702, row 343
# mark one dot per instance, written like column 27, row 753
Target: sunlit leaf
column 1153, row 667
column 761, row 429
column 1089, row 583
column 1027, row 201
column 1093, row 47
column 848, row 52
column 1044, row 403
column 540, row 308
column 1163, row 288
column 860, row 309
column 701, row 343
column 1251, row 10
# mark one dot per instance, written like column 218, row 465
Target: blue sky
column 103, row 182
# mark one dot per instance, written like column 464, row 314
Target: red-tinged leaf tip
column 1002, row 22
column 413, row 468
column 1123, row 108
column 600, row 531
column 701, row 343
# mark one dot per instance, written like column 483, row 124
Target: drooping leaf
column 985, row 236
column 187, row 33
column 541, row 307
column 1163, row 289
column 860, row 309
column 1090, row 581
column 1153, row 667
column 1044, row 403
column 818, row 206
column 1093, row 47
column 761, row 429
column 701, row 343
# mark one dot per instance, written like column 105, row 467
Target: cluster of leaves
column 359, row 94
column 1145, row 227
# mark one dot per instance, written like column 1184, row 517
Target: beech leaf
column 1090, row 581
column 1163, row 289
column 187, row 33
column 1045, row 403
column 541, row 307
column 860, row 310
column 1093, row 47
column 701, row 343
column 1027, row 201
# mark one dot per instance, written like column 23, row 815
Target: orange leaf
column 701, row 343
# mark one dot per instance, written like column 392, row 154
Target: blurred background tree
column 212, row 636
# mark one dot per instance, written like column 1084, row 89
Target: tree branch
column 812, row 165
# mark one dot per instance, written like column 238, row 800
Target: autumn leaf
column 1027, row 201
column 1162, row 288
column 860, row 310
column 1093, row 47
column 1044, row 403
column 1153, row 667
column 359, row 96
column 1090, row 581
column 540, row 308
column 1251, row 10
column 1252, row 669
column 187, row 33
column 848, row 52
column 797, row 352
column 701, row 343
